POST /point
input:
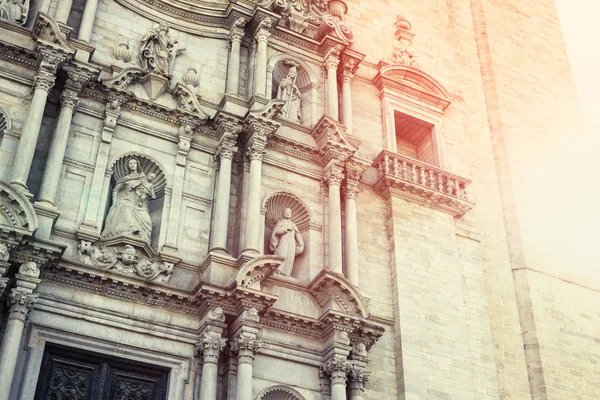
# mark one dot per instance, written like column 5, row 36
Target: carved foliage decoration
column 280, row 392
column 274, row 205
column 5, row 125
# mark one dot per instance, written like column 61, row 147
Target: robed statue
column 128, row 214
column 288, row 91
column 286, row 241
column 158, row 50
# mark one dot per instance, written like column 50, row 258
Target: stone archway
column 279, row 392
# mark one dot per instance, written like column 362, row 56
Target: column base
column 88, row 232
column 47, row 215
column 170, row 254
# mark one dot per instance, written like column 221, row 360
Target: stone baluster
column 90, row 228
column 209, row 348
column 349, row 67
column 183, row 147
column 255, row 152
column 224, row 156
column 87, row 20
column 260, row 75
column 354, row 171
column 332, row 61
column 233, row 71
column 20, row 302
column 337, row 368
column 44, row 80
column 333, row 177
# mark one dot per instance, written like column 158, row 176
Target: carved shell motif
column 277, row 202
column 147, row 165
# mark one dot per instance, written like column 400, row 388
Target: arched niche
column 16, row 212
column 272, row 210
column 306, row 81
column 159, row 185
column 279, row 392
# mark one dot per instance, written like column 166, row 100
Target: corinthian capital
column 237, row 30
column 20, row 304
column 226, row 150
column 263, row 31
column 332, row 62
column 333, row 174
column 209, row 347
column 358, row 378
column 69, row 99
column 44, row 80
column 245, row 345
column 337, row 368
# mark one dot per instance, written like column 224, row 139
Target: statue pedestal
column 155, row 85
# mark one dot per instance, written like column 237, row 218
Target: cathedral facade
column 283, row 199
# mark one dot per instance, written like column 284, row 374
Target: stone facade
column 284, row 200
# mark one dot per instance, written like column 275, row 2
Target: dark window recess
column 69, row 374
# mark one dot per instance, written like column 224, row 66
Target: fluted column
column 331, row 65
column 233, row 70
column 260, row 74
column 333, row 177
column 58, row 146
column 255, row 154
column 224, row 156
column 347, row 73
column 87, row 20
column 354, row 170
column 20, row 302
column 210, row 348
column 246, row 347
column 44, row 80
column 337, row 369
column 63, row 9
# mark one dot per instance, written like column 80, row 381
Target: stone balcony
column 421, row 183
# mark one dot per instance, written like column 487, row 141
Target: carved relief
column 404, row 52
column 126, row 260
column 14, row 11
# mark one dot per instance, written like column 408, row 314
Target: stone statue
column 286, row 241
column 14, row 11
column 288, row 91
column 128, row 215
column 158, row 50
column 4, row 253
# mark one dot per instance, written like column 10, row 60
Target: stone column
column 255, row 153
column 331, row 65
column 210, row 348
column 233, row 70
column 358, row 378
column 337, row 369
column 245, row 346
column 354, row 171
column 260, row 74
column 87, row 20
column 63, row 9
column 224, row 156
column 20, row 302
column 346, row 75
column 333, row 177
column 58, row 146
column 44, row 80
column 90, row 228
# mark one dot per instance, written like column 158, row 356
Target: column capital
column 337, row 368
column 20, row 304
column 333, row 174
column 237, row 32
column 355, row 167
column 226, row 150
column 263, row 31
column 69, row 99
column 359, row 376
column 245, row 346
column 331, row 62
column 210, row 347
column 44, row 80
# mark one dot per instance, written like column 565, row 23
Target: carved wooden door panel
column 68, row 374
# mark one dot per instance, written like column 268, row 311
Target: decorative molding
column 329, row 288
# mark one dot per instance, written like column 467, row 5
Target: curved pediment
column 412, row 83
column 333, row 291
column 16, row 212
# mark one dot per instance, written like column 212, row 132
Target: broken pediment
column 412, row 84
column 16, row 212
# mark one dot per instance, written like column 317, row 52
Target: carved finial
column 122, row 52
column 402, row 22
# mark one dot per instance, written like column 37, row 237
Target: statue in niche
column 14, row 11
column 288, row 91
column 286, row 241
column 129, row 215
column 158, row 50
